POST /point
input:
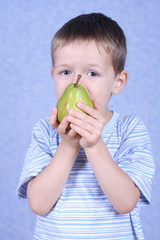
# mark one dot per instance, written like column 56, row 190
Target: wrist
column 96, row 150
column 68, row 148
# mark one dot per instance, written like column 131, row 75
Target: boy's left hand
column 88, row 125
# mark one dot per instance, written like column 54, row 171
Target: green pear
column 73, row 93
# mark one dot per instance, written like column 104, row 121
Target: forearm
column 115, row 183
column 44, row 190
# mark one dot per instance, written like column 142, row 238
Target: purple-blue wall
column 27, row 91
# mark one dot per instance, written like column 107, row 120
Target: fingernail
column 54, row 109
column 79, row 104
column 65, row 118
column 69, row 118
column 70, row 111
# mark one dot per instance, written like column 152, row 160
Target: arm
column 44, row 190
column 115, row 183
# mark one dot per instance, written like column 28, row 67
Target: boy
column 88, row 182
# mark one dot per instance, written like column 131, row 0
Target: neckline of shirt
column 109, row 126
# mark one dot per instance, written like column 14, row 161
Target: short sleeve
column 37, row 158
column 135, row 157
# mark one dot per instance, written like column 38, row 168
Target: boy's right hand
column 68, row 137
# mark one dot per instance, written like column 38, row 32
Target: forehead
column 59, row 43
column 82, row 48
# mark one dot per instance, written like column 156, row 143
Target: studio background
column 27, row 91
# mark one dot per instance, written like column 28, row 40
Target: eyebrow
column 94, row 65
column 62, row 65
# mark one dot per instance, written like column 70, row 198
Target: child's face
column 94, row 64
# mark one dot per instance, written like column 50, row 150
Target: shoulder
column 129, row 123
column 122, row 126
column 128, row 120
column 42, row 124
column 43, row 130
column 133, row 129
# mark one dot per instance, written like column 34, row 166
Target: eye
column 65, row 72
column 92, row 74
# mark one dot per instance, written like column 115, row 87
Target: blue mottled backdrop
column 27, row 91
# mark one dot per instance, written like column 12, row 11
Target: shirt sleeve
column 37, row 158
column 135, row 157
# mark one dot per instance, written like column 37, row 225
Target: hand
column 88, row 125
column 69, row 137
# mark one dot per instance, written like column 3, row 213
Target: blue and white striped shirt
column 83, row 211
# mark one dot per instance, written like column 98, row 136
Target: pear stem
column 78, row 79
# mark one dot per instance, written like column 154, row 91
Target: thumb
column 53, row 118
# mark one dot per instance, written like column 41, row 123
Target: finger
column 53, row 118
column 74, row 116
column 83, row 122
column 62, row 128
column 89, row 110
column 80, row 131
column 72, row 133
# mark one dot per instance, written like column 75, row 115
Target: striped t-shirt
column 83, row 211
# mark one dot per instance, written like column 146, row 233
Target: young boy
column 88, row 182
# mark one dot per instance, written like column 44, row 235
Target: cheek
column 59, row 87
column 59, row 90
column 103, row 98
column 99, row 93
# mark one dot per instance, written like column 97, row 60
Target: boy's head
column 94, row 46
column 98, row 27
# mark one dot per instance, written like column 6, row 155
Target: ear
column 120, row 82
column 52, row 72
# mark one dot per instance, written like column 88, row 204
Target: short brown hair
column 98, row 27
